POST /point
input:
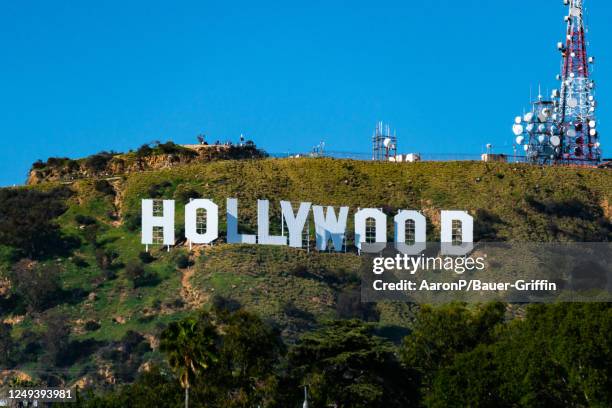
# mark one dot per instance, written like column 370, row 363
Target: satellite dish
column 572, row 102
column 517, row 120
column 597, row 145
column 541, row 138
column 555, row 141
column 528, row 117
column 530, row 127
column 387, row 142
column 592, row 124
column 517, row 129
column 571, row 133
column 593, row 132
column 520, row 140
column 526, row 147
column 542, row 128
column 553, row 130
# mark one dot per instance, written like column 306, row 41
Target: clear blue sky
column 80, row 77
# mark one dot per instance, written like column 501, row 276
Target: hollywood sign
column 330, row 226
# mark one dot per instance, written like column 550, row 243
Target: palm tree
column 190, row 346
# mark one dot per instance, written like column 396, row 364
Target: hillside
column 116, row 298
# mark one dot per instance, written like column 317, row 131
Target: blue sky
column 80, row 77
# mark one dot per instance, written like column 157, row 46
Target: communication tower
column 563, row 129
column 384, row 144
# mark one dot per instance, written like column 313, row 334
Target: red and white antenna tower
column 580, row 140
column 563, row 129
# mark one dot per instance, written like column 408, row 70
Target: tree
column 345, row 364
column 56, row 339
column 27, row 221
column 190, row 346
column 7, row 344
column 439, row 334
column 249, row 354
column 37, row 284
column 558, row 356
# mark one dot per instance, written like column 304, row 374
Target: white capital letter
column 446, row 233
column 212, row 221
column 380, row 219
column 263, row 226
column 149, row 221
column 233, row 237
column 420, row 232
column 295, row 223
column 328, row 226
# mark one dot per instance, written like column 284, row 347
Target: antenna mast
column 562, row 129
column 384, row 144
column 580, row 140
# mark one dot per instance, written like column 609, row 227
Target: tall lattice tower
column 384, row 144
column 563, row 129
column 580, row 141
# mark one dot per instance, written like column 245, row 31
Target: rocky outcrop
column 109, row 166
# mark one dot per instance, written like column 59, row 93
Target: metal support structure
column 384, row 144
column 562, row 129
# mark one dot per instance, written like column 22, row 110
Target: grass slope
column 294, row 289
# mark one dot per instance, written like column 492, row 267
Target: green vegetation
column 81, row 302
column 557, row 356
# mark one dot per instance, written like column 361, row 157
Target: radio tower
column 580, row 141
column 564, row 129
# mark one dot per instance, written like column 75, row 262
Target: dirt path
column 192, row 297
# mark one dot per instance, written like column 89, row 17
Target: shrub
column 184, row 193
column 182, row 261
column 134, row 271
column 158, row 190
column 85, row 219
column 98, row 162
column 146, row 257
column 59, row 161
column 37, row 285
column 38, row 164
column 144, row 151
column 139, row 276
column 105, row 258
column 104, row 187
column 26, row 221
column 132, row 221
column 92, row 325
column 225, row 304
column 79, row 261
